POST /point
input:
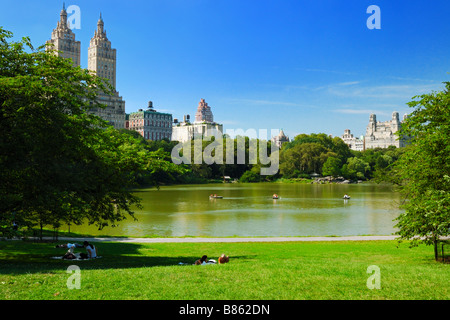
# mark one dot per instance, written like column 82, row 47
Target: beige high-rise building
column 63, row 40
column 102, row 60
column 101, row 57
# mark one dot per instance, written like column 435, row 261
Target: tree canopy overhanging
column 58, row 161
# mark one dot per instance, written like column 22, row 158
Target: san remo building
column 101, row 59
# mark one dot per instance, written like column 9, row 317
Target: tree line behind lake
column 304, row 156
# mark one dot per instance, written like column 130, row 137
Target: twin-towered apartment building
column 102, row 59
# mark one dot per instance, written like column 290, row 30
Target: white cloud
column 329, row 71
column 406, row 92
column 354, row 111
column 411, row 79
column 362, row 111
column 266, row 102
column 349, row 83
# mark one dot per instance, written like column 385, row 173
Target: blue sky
column 302, row 65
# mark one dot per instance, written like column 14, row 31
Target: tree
column 306, row 157
column 332, row 167
column 250, row 176
column 59, row 162
column 356, row 168
column 422, row 171
column 307, row 154
column 383, row 161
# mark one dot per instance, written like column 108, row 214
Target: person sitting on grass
column 91, row 250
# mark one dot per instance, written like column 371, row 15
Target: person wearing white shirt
column 91, row 250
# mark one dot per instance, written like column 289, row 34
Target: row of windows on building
column 102, row 55
column 153, row 123
column 150, row 115
column 155, row 135
column 69, row 48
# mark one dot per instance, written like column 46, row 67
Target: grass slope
column 256, row 271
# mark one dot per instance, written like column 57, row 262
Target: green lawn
column 268, row 271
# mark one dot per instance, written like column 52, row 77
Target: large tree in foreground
column 423, row 171
column 58, row 162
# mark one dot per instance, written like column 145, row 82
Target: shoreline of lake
column 224, row 239
column 319, row 180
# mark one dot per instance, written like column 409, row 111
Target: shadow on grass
column 19, row 258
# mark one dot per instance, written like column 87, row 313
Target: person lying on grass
column 223, row 259
column 204, row 260
column 69, row 246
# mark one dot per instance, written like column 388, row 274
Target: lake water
column 247, row 209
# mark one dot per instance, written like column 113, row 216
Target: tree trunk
column 436, row 252
column 40, row 231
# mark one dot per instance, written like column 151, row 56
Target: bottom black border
column 223, row 309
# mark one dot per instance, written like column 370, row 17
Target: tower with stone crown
column 101, row 57
column 63, row 40
column 102, row 60
column 204, row 113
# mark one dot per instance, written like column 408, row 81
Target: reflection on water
column 249, row 210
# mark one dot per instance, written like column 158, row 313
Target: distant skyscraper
column 102, row 60
column 63, row 40
column 204, row 113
